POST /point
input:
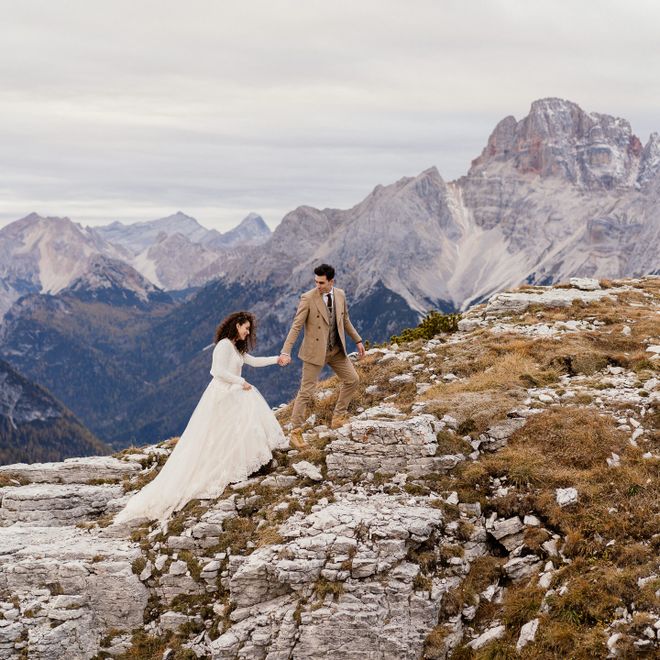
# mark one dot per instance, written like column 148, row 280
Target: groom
column 324, row 315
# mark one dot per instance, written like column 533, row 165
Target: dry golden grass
column 535, row 537
column 7, row 479
column 512, row 370
column 475, row 411
column 568, row 447
column 268, row 535
column 146, row 647
column 324, row 587
column 434, row 645
column 237, row 532
column 594, row 591
column 557, row 639
column 451, row 443
column 520, row 604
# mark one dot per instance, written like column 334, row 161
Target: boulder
column 371, row 445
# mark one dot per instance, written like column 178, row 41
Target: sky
column 134, row 110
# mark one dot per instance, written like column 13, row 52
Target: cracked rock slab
column 372, row 445
column 72, row 470
column 55, row 504
column 78, row 581
column 361, row 544
column 516, row 302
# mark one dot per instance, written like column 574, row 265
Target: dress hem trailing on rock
column 231, row 434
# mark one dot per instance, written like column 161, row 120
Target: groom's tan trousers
column 337, row 360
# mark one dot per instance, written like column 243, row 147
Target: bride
column 231, row 433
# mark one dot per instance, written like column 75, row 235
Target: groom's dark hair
column 325, row 269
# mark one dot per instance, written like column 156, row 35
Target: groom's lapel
column 318, row 298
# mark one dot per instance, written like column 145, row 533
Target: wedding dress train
column 231, row 433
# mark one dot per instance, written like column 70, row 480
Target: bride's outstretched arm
column 221, row 356
column 259, row 361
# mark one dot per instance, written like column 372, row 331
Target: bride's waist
column 224, row 384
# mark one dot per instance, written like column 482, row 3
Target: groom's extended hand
column 361, row 351
column 284, row 360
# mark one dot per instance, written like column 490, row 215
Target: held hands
column 284, row 360
column 246, row 386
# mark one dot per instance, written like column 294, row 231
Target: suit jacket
column 312, row 314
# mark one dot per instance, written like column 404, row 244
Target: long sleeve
column 220, row 364
column 298, row 322
column 260, row 361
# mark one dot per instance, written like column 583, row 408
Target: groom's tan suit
column 322, row 344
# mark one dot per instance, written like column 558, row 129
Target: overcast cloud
column 134, row 110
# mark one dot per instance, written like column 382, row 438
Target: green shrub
column 433, row 324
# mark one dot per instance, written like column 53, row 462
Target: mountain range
column 560, row 193
column 557, row 194
column 47, row 254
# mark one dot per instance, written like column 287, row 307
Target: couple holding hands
column 232, row 431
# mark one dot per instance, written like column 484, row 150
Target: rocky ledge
column 494, row 492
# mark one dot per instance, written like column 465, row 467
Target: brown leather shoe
column 339, row 420
column 296, row 439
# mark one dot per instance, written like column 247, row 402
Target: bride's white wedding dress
column 231, row 433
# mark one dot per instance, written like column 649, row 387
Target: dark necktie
column 329, row 302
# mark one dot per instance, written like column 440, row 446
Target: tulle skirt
column 231, row 434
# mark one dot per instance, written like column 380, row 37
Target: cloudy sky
column 134, row 110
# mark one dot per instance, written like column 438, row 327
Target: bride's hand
column 247, row 386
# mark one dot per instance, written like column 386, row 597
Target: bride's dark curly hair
column 227, row 328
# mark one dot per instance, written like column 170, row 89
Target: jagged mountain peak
column 252, row 230
column 46, row 254
column 42, row 223
column 558, row 139
column 252, row 225
column 181, row 218
column 394, row 233
column 108, row 270
column 650, row 165
column 104, row 275
column 140, row 235
column 252, row 218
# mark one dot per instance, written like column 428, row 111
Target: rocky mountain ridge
column 559, row 139
column 115, row 282
column 177, row 253
column 494, row 490
column 558, row 194
column 47, row 255
column 138, row 236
